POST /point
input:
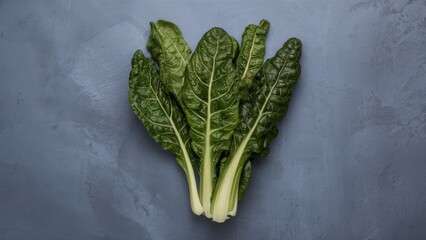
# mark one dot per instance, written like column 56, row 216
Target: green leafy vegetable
column 210, row 98
column 249, row 63
column 162, row 118
column 219, row 105
column 273, row 94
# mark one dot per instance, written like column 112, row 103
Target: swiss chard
column 272, row 95
column 162, row 118
column 219, row 104
column 249, row 62
column 210, row 102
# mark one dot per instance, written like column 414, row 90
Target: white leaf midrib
column 207, row 161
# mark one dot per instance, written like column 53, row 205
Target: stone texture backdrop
column 349, row 162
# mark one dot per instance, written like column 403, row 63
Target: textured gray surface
column 349, row 163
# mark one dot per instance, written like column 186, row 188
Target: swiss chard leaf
column 162, row 117
column 271, row 97
column 250, row 58
column 210, row 101
column 168, row 47
column 249, row 63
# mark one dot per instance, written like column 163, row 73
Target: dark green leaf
column 251, row 55
column 210, row 99
column 271, row 97
column 162, row 118
column 169, row 49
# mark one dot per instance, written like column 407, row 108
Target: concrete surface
column 349, row 163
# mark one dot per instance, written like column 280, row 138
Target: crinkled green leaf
column 271, row 97
column 244, row 110
column 162, row 117
column 168, row 47
column 249, row 62
column 251, row 55
column 210, row 99
column 270, row 135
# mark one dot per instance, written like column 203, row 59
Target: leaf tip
column 294, row 42
column 264, row 24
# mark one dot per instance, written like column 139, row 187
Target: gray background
column 349, row 163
